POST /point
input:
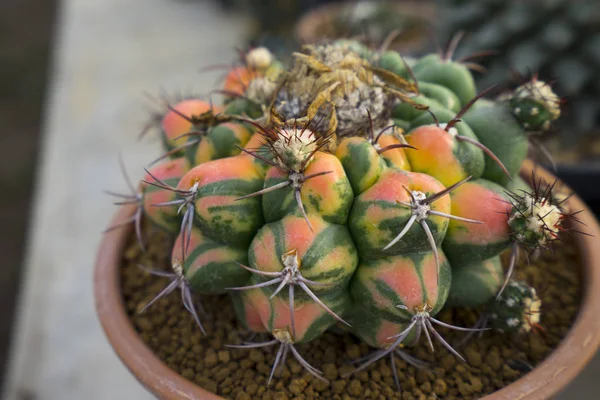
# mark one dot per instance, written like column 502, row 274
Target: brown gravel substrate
column 493, row 361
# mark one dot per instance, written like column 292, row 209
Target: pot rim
column 546, row 380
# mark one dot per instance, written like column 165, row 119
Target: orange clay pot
column 543, row 382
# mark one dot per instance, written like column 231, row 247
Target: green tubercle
column 517, row 309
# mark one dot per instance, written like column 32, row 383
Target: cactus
column 336, row 192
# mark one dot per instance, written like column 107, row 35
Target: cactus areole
column 335, row 192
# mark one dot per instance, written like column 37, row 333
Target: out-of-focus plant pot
column 412, row 19
column 544, row 381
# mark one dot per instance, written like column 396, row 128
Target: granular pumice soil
column 493, row 361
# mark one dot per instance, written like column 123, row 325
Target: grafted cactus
column 356, row 189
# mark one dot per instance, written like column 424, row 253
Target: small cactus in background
column 352, row 189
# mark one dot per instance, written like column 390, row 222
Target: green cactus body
column 441, row 94
column 505, row 138
column 393, row 62
column 210, row 267
column 534, row 105
column 517, row 309
column 449, row 74
column 518, row 186
column 329, row 215
column 362, row 163
column 476, row 283
column 482, row 201
column 241, row 106
column 223, row 140
column 406, row 112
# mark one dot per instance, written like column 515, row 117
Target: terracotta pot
column 313, row 26
column 546, row 380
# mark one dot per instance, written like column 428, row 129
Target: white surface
column 108, row 53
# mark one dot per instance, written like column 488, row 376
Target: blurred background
column 73, row 78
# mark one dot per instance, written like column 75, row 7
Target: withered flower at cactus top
column 333, row 83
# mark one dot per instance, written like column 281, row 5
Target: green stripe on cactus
column 165, row 218
column 362, row 164
column 518, row 186
column 169, row 223
column 225, row 140
column 317, row 328
column 407, row 112
column 234, row 224
column 281, row 202
column 230, row 187
column 404, row 125
column 340, row 303
column 278, row 203
column 330, row 275
column 441, row 94
column 426, row 61
column 476, row 283
column 364, row 323
column 393, row 62
column 452, row 75
column 464, row 253
column 373, row 329
column 371, row 236
column 238, row 307
column 326, row 241
column 361, row 294
column 504, row 137
column 210, row 267
column 241, row 106
column 386, row 291
column 444, row 284
column 410, row 280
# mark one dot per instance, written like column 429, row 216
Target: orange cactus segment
column 305, row 315
column 215, row 171
column 411, row 281
column 169, row 171
column 396, row 157
column 436, row 155
column 174, row 124
column 478, row 202
column 252, row 317
column 238, row 79
column 385, row 331
column 330, row 195
column 298, row 235
column 402, row 277
column 378, row 214
column 263, row 251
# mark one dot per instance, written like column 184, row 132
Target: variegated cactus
column 352, row 188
